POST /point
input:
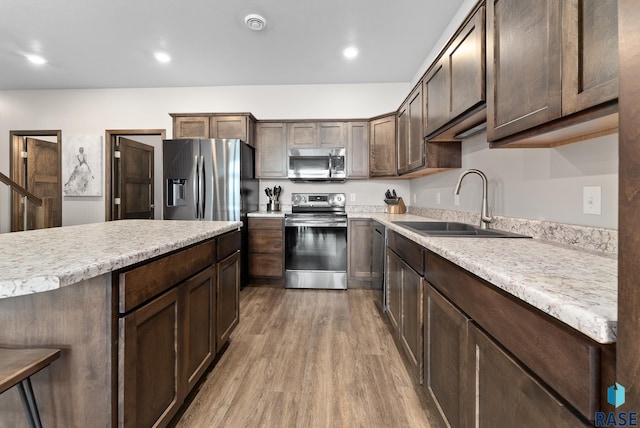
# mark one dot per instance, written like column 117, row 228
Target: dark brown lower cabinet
column 149, row 347
column 405, row 309
column 394, row 289
column 199, row 309
column 359, row 265
column 266, row 250
column 411, row 325
column 176, row 313
column 227, row 298
column 445, row 356
column 501, row 393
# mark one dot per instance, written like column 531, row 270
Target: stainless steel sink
column 452, row 229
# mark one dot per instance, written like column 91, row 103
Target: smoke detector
column 255, row 22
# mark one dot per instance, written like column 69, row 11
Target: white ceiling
column 110, row 43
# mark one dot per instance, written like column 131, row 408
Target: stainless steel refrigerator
column 210, row 179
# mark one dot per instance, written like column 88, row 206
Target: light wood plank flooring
column 308, row 358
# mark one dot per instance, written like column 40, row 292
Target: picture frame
column 82, row 165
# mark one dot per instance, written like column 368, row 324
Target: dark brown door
column 227, row 298
column 150, row 345
column 590, row 56
column 39, row 172
column 134, row 178
column 199, row 294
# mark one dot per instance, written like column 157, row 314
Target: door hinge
column 23, row 154
column 116, row 154
column 116, row 201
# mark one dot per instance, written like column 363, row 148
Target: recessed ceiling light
column 162, row 57
column 36, row 59
column 350, row 52
column 255, row 22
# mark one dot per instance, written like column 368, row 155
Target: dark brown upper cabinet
column 314, row 134
column 302, row 135
column 454, row 87
column 357, row 149
column 551, row 71
column 410, row 133
column 215, row 125
column 590, row 56
column 524, row 53
column 332, row 134
column 271, row 150
column 382, row 146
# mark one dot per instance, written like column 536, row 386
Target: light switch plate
column 438, row 198
column 353, row 197
column 592, row 200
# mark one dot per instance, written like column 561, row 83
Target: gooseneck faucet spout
column 485, row 218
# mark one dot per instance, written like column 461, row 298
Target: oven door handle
column 315, row 225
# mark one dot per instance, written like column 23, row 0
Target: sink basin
column 452, row 229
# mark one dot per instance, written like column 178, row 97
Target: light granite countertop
column 47, row 259
column 577, row 287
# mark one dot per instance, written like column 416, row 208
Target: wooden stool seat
column 16, row 368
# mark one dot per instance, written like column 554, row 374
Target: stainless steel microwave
column 317, row 164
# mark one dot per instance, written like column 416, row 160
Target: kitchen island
column 82, row 289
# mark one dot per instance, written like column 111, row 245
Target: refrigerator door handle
column 201, row 199
column 196, row 185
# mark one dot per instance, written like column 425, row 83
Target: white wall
column 543, row 184
column 91, row 112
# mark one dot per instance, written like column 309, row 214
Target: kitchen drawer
column 266, row 265
column 265, row 241
column 408, row 251
column 142, row 283
column 227, row 244
column 265, row 223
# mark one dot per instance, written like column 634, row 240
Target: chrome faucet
column 485, row 218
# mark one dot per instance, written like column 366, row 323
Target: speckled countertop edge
column 575, row 286
column 47, row 259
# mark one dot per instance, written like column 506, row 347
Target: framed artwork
column 82, row 165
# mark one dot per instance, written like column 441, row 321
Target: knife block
column 400, row 208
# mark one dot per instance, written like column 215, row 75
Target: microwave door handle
column 330, row 165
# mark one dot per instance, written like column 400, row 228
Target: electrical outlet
column 456, row 200
column 438, row 198
column 415, row 198
column 353, row 197
column 592, row 200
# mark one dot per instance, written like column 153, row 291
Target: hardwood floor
column 308, row 358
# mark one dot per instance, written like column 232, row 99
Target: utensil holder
column 400, row 208
column 273, row 206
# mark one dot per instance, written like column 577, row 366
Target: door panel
column 221, row 178
column 42, row 178
column 179, row 181
column 136, row 180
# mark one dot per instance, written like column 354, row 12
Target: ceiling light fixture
column 350, row 52
column 36, row 59
column 255, row 22
column 162, row 57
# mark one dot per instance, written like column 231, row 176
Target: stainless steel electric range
column 316, row 241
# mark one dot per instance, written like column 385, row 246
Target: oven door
column 315, row 256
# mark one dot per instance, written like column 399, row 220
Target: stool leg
column 29, row 402
column 25, row 404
